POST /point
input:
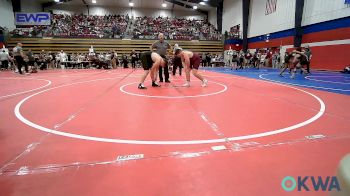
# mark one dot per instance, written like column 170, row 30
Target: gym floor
column 92, row 132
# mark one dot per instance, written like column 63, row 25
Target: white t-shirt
column 62, row 56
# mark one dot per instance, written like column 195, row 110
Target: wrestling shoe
column 187, row 84
column 155, row 84
column 141, row 86
column 204, row 83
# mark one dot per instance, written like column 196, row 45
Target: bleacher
column 78, row 45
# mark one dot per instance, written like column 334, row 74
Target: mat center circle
column 174, row 90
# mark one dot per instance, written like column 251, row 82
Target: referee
column 161, row 48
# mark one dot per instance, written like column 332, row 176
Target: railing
column 233, row 35
column 139, row 37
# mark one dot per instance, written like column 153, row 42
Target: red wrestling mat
column 92, row 132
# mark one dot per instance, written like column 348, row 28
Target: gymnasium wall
column 282, row 19
column 136, row 12
column 326, row 28
column 212, row 17
column 232, row 14
column 7, row 18
column 316, row 11
column 31, row 6
column 234, row 44
column 330, row 43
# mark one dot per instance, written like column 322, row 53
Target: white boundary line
column 180, row 142
column 174, row 97
column 326, row 88
column 329, row 76
column 325, row 81
column 22, row 92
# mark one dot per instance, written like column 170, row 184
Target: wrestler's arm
column 186, row 60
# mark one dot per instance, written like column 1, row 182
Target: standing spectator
column 133, row 59
column 208, row 59
column 262, row 58
column 161, row 47
column 247, row 58
column 229, row 57
column 308, row 53
column 125, row 61
column 255, row 60
column 108, row 59
column 31, row 60
column 241, row 59
column 138, row 63
column 18, row 54
column 204, row 60
column 115, row 60
column 42, row 60
column 274, row 60
column 62, row 58
column 53, row 55
column 235, row 59
column 268, row 58
column 4, row 58
column 50, row 60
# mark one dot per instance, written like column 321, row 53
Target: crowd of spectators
column 174, row 29
column 234, row 33
column 81, row 26
column 116, row 26
column 52, row 60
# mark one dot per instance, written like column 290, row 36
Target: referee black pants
column 166, row 73
column 20, row 62
column 175, row 68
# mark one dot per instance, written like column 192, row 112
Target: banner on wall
column 40, row 18
column 270, row 6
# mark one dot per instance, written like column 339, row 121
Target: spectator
column 115, row 26
column 125, row 61
column 208, row 59
column 4, row 58
column 31, row 59
column 204, row 60
column 18, row 55
column 308, row 53
column 133, row 59
column 268, row 58
column 115, row 60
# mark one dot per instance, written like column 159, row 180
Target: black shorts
column 146, row 60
